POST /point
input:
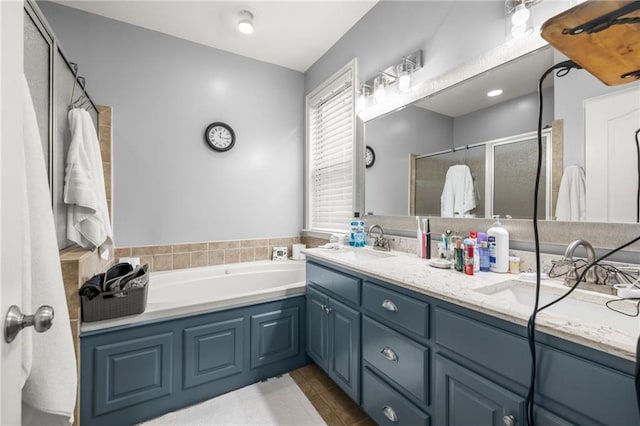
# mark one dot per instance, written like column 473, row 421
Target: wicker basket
column 107, row 305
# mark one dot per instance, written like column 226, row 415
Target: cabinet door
column 318, row 327
column 465, row 398
column 344, row 348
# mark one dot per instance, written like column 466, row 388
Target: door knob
column 16, row 321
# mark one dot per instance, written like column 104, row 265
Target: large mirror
column 462, row 153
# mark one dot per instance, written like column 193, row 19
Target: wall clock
column 220, row 137
column 369, row 156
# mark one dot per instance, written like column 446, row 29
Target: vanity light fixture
column 519, row 19
column 494, row 93
column 245, row 22
column 399, row 73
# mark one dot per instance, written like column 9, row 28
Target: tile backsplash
column 180, row 256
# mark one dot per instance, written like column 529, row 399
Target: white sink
column 583, row 306
column 360, row 254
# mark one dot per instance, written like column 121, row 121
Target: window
column 330, row 117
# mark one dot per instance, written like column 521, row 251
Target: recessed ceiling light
column 493, row 93
column 245, row 24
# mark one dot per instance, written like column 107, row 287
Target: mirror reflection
column 463, row 153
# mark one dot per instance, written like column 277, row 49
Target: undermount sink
column 580, row 305
column 360, row 254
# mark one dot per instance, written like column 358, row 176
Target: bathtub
column 189, row 291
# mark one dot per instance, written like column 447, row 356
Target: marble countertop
column 407, row 271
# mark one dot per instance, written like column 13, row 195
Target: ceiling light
column 494, row 93
column 245, row 23
column 404, row 74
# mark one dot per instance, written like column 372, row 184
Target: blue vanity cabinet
column 333, row 325
column 425, row 360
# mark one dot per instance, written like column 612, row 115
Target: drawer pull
column 389, row 354
column 390, row 413
column 389, row 306
column 326, row 309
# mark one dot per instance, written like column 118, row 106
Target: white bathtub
column 187, row 291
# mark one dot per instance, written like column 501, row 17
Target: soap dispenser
column 498, row 238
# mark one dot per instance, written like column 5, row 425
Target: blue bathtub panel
column 132, row 371
column 274, row 336
column 212, row 351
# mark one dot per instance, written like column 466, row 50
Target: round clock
column 369, row 156
column 220, row 136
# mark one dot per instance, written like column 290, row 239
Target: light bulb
column 494, row 93
column 404, row 82
column 520, row 15
column 245, row 24
column 379, row 89
column 362, row 102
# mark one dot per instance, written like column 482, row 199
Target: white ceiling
column 516, row 78
column 293, row 34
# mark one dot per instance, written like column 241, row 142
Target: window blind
column 331, row 151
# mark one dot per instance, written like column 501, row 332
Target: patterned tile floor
column 335, row 407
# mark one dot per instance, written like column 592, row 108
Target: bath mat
column 278, row 401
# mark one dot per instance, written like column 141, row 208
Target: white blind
column 331, row 145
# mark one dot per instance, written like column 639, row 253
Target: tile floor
column 335, row 407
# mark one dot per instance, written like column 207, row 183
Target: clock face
column 220, row 136
column 369, row 156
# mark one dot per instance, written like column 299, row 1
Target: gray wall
column 570, row 93
column 513, row 117
column 394, row 138
column 450, row 32
column 169, row 187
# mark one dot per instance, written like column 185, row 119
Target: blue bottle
column 483, row 252
column 353, row 229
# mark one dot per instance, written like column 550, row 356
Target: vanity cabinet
column 333, row 327
column 430, row 362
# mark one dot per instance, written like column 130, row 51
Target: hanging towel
column 458, row 196
column 572, row 195
column 88, row 222
column 49, row 391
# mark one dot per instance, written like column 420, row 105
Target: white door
column 611, row 167
column 11, row 200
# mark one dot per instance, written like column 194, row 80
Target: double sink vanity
column 417, row 345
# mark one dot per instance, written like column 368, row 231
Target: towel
column 458, row 196
column 49, row 391
column 88, row 222
column 571, row 203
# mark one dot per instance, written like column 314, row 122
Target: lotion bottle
column 498, row 238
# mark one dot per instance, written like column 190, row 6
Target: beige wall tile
column 104, row 136
column 215, row 257
column 162, row 262
column 181, row 261
column 262, row 253
column 312, row 242
column 185, row 248
column 104, row 118
column 199, row 258
column 232, row 256
column 122, row 252
column 147, row 260
column 71, row 283
column 247, row 254
column 223, row 245
column 150, row 250
column 283, row 241
column 254, row 243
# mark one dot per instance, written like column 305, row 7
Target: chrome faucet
column 380, row 243
column 591, row 276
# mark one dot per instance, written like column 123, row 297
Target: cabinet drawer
column 396, row 308
column 404, row 362
column 343, row 285
column 387, row 407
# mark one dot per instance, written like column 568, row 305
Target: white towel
column 49, row 392
column 88, row 222
column 572, row 195
column 458, row 195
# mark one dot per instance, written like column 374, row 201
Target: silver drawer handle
column 326, row 309
column 389, row 413
column 389, row 306
column 509, row 421
column 389, row 354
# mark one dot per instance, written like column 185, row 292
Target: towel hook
column 83, row 98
